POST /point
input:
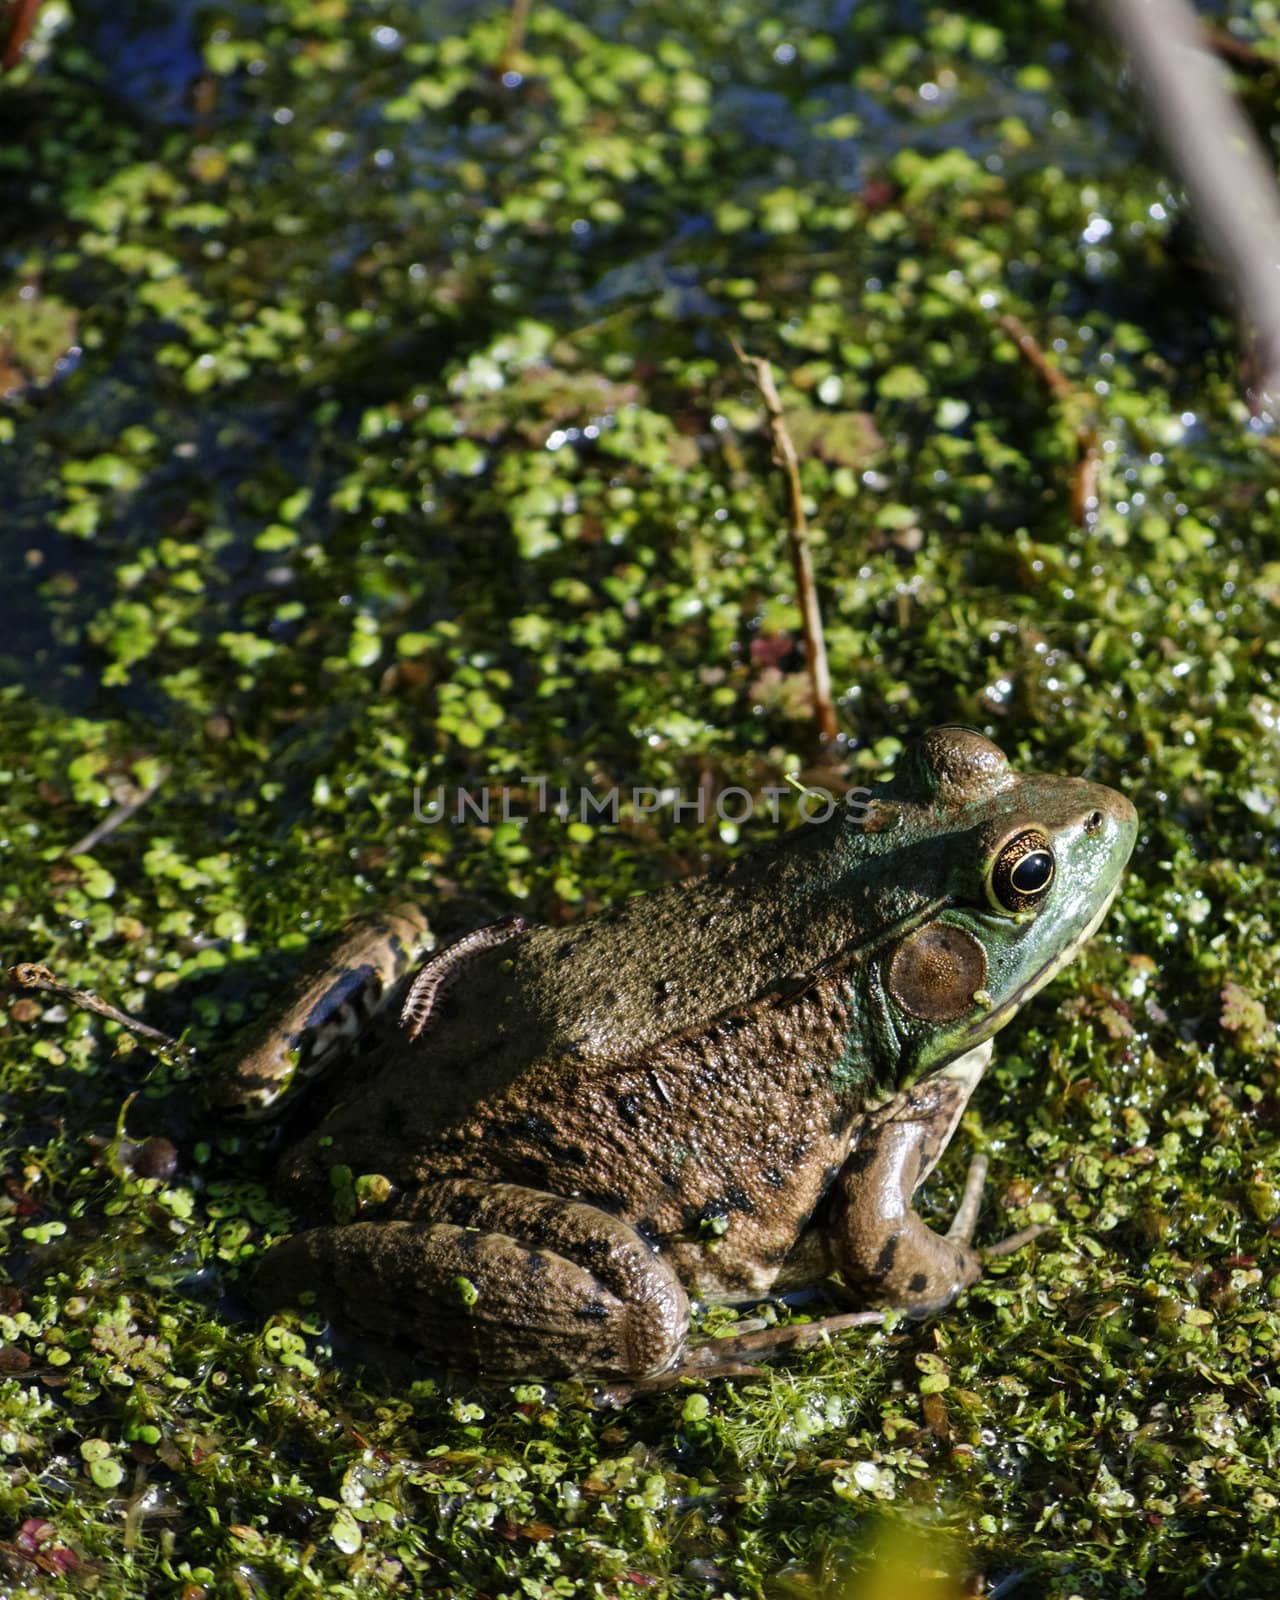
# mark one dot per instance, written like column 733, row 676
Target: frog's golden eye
column 1022, row 871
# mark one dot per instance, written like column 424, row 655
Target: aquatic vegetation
column 371, row 423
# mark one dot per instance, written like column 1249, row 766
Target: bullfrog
column 725, row 1089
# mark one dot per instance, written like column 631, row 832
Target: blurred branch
column 1230, row 181
column 1239, row 52
column 24, row 19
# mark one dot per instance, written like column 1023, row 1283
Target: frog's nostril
column 1093, row 822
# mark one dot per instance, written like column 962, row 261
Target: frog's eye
column 1021, row 872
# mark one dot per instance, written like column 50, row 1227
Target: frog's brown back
column 551, row 1015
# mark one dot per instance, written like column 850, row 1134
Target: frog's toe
column 966, row 1217
column 1014, row 1242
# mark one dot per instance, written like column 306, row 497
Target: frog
column 723, row 1090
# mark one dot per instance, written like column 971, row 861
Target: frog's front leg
column 881, row 1246
column 509, row 1279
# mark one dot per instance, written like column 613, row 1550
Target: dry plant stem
column 204, row 102
column 31, row 975
column 110, row 823
column 1230, row 181
column 517, row 24
column 1035, row 356
column 784, row 454
column 1084, row 480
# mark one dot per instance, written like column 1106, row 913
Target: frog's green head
column 1017, row 872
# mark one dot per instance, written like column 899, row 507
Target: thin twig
column 32, row 975
column 1084, row 480
column 1238, row 52
column 784, row 454
column 1229, row 178
column 1058, row 385
column 120, row 815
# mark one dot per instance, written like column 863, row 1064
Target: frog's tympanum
column 727, row 1088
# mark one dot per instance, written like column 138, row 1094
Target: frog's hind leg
column 881, row 1245
column 508, row 1279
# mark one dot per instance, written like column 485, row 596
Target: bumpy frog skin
column 727, row 1088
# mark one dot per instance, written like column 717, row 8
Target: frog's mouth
column 989, row 1022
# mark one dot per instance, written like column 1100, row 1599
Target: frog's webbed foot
column 729, row 1357
column 501, row 1277
column 735, row 1354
